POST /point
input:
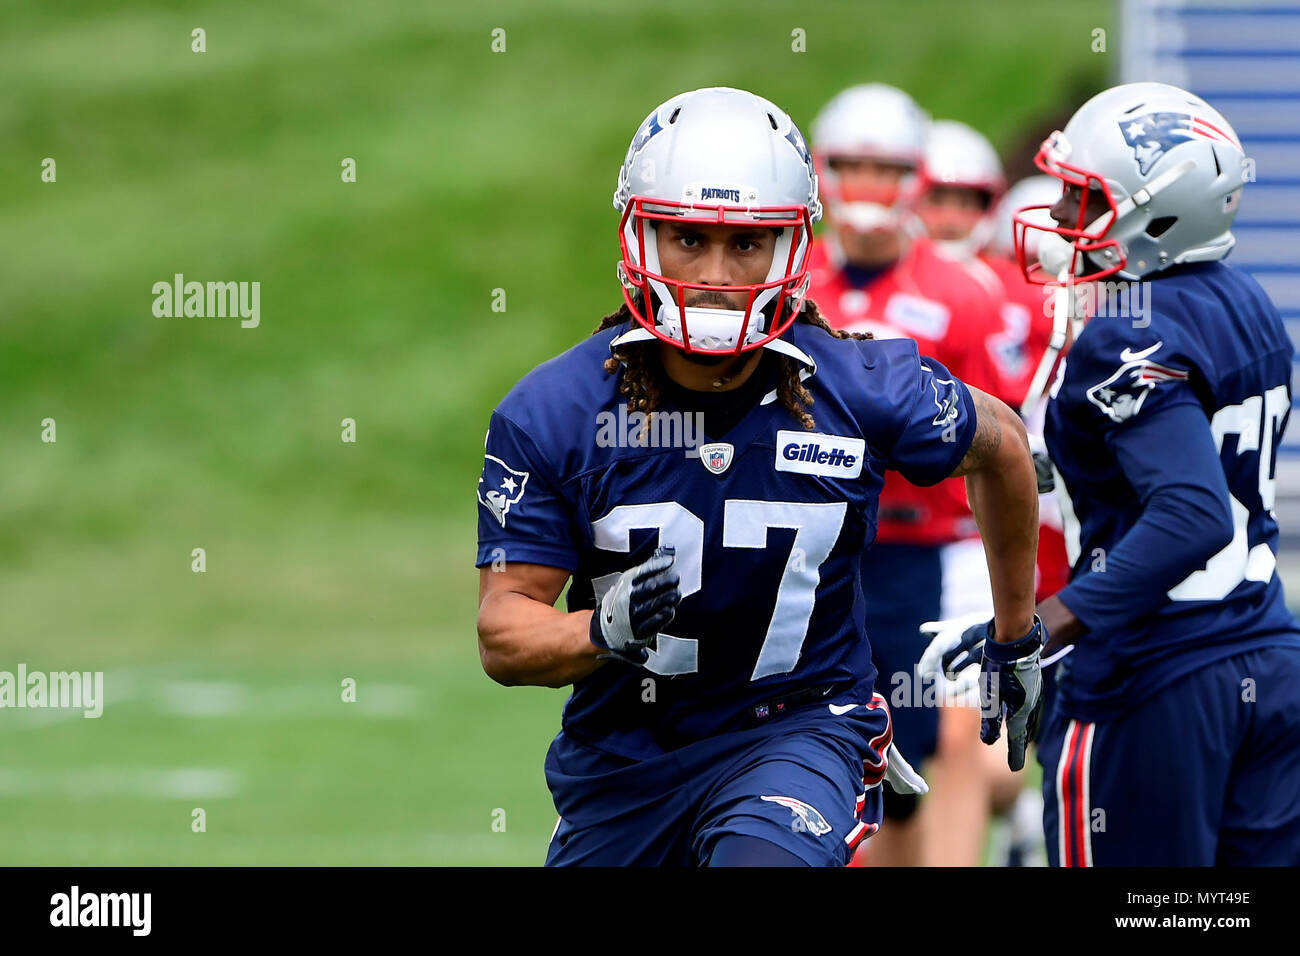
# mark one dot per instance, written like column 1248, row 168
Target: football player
column 1174, row 738
column 723, row 710
column 872, row 271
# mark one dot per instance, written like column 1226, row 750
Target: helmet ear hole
column 1159, row 226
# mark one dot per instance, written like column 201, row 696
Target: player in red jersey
column 1035, row 306
column 965, row 208
column 874, row 272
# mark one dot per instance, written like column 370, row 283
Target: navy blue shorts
column 1206, row 772
column 902, row 584
column 809, row 782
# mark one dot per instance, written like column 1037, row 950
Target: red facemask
column 1086, row 236
column 790, row 285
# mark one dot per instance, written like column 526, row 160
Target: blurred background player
column 872, row 271
column 1174, row 739
column 961, row 206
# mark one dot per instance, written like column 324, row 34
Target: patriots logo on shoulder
column 500, row 487
column 806, row 819
column 1121, row 395
column 946, row 401
column 1154, row 134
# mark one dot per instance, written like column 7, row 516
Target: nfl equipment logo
column 717, row 456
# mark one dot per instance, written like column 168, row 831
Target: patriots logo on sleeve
column 1121, row 395
column 946, row 401
column 1154, row 134
column 500, row 487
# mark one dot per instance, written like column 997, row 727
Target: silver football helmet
column 958, row 156
column 716, row 156
column 872, row 121
column 1169, row 169
column 1039, row 192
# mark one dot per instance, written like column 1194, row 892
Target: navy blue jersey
column 1164, row 429
column 768, row 521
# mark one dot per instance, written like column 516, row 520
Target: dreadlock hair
column 642, row 382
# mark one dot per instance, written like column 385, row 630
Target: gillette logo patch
column 812, row 454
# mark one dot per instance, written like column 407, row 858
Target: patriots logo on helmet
column 806, row 819
column 647, row 131
column 504, row 487
column 1121, row 395
column 797, row 141
column 1153, row 135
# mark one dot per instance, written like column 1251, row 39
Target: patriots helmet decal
column 1120, row 396
column 1153, row 135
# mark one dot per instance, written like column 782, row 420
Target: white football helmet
column 873, row 121
column 1038, row 192
column 716, row 156
column 1170, row 170
column 957, row 155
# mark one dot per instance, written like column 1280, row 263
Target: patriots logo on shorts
column 1121, row 395
column 504, row 487
column 806, row 819
column 1154, row 134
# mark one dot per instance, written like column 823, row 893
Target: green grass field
column 327, row 560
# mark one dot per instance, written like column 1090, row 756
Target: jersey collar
column 639, row 334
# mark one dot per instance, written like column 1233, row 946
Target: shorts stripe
column 859, row 833
column 873, row 773
column 1073, row 793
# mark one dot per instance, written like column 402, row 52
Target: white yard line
column 198, row 783
column 159, row 690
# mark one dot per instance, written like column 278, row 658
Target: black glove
column 1011, row 686
column 638, row 606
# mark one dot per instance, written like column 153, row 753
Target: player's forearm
column 1180, row 530
column 525, row 642
column 1003, row 493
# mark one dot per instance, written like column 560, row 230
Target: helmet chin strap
column 709, row 328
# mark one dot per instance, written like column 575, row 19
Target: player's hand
column 1011, row 687
column 639, row 605
column 1042, row 464
column 954, row 651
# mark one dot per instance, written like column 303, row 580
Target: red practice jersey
column 1027, row 309
column 1027, row 323
column 954, row 318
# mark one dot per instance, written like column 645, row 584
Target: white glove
column 946, row 638
column 900, row 775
